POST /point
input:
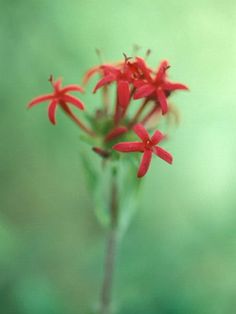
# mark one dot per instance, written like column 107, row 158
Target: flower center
column 148, row 144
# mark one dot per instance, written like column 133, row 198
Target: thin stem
column 126, row 108
column 138, row 113
column 105, row 88
column 117, row 111
column 155, row 109
column 76, row 120
column 106, row 291
column 105, row 97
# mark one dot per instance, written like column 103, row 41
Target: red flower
column 158, row 88
column 60, row 97
column 114, row 74
column 124, row 74
column 141, row 72
column 148, row 146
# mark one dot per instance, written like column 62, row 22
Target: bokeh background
column 179, row 254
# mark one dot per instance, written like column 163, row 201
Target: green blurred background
column 179, row 254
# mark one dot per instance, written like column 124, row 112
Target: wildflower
column 123, row 74
column 147, row 146
column 141, row 72
column 113, row 74
column 158, row 88
column 59, row 97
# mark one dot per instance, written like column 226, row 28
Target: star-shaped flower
column 158, row 88
column 59, row 97
column 114, row 74
column 123, row 74
column 147, row 146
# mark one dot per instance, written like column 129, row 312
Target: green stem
column 106, row 291
column 154, row 110
column 139, row 112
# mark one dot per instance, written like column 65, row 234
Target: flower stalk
column 109, row 267
column 139, row 112
column 73, row 117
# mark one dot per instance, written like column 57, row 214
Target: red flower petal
column 145, row 163
column 105, row 80
column 123, row 93
column 127, row 147
column 162, row 100
column 141, row 132
column 39, row 99
column 161, row 72
column 163, row 154
column 157, row 137
column 57, row 85
column 144, row 91
column 110, row 69
column 74, row 101
column 143, row 67
column 52, row 110
column 90, row 73
column 174, row 86
column 71, row 88
column 115, row 133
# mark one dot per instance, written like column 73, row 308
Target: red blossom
column 133, row 79
column 59, row 97
column 141, row 72
column 136, row 70
column 128, row 75
column 123, row 74
column 147, row 146
column 114, row 74
column 158, row 88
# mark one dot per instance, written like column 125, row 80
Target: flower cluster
column 134, row 80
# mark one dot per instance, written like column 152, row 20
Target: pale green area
column 179, row 254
